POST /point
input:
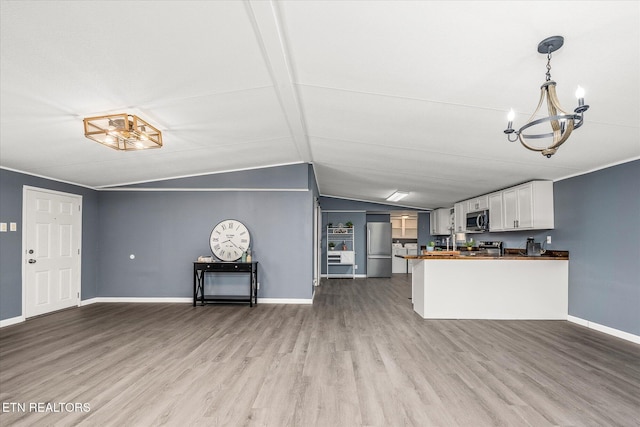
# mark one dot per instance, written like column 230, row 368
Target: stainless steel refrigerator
column 379, row 249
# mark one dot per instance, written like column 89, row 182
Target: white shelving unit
column 339, row 257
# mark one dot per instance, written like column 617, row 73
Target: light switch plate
column 3, row 227
column 13, row 226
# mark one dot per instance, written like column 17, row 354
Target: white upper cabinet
column 441, row 221
column 496, row 222
column 433, row 223
column 460, row 209
column 478, row 204
column 527, row 207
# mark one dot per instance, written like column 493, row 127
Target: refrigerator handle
column 368, row 241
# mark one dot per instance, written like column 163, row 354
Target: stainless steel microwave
column 478, row 221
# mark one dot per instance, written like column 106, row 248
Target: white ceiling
column 378, row 95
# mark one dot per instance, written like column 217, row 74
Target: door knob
column 32, row 261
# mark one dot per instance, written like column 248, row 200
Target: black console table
column 200, row 268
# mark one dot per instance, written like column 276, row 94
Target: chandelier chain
column 548, row 75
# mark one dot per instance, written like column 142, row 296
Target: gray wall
column 11, row 185
column 597, row 219
column 424, row 230
column 167, row 231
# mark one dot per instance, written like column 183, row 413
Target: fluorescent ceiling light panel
column 398, row 195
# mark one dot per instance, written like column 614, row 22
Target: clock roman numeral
column 216, row 248
column 243, row 241
column 215, row 239
column 231, row 225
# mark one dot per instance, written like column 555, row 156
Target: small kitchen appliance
column 493, row 248
column 533, row 248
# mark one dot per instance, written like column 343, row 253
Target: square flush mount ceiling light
column 122, row 132
column 397, row 195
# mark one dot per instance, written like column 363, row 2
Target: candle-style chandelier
column 561, row 122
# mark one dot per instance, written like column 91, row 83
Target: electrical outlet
column 548, row 240
column 356, row 266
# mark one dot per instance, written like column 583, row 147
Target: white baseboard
column 140, row 299
column 345, row 276
column 285, row 301
column 88, row 302
column 190, row 300
column 11, row 321
column 606, row 329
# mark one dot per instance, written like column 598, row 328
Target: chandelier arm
column 514, row 139
column 528, row 147
column 542, row 120
column 560, row 135
column 553, row 98
column 564, row 137
column 553, row 111
column 535, row 113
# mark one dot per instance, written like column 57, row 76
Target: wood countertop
column 509, row 254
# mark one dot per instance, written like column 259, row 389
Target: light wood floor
column 358, row 357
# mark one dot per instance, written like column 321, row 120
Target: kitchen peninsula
column 491, row 287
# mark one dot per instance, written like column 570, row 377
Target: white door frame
column 23, row 257
column 317, row 251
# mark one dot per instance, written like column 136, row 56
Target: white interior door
column 52, row 236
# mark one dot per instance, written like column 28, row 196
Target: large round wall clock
column 229, row 239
